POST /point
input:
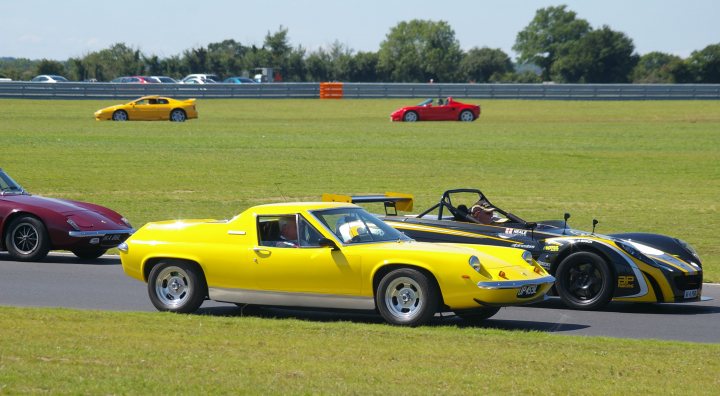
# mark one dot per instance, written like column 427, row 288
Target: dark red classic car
column 32, row 225
column 440, row 110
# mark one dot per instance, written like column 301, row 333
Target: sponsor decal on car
column 626, row 281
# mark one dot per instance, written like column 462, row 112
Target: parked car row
column 189, row 79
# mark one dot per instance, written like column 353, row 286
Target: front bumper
column 103, row 238
column 513, row 292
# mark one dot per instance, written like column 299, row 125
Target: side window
column 287, row 231
column 308, row 235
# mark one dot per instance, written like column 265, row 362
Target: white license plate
column 527, row 291
column 691, row 293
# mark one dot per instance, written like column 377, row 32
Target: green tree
column 660, row 68
column 600, row 56
column 364, row 67
column 46, row 66
column 705, row 64
column 542, row 40
column 418, row 51
column 481, row 64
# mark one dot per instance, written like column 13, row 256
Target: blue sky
column 38, row 29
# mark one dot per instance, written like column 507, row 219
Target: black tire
column 120, row 115
column 176, row 286
column 27, row 239
column 89, row 253
column 178, row 115
column 407, row 297
column 584, row 281
column 478, row 315
column 467, row 116
column 411, row 116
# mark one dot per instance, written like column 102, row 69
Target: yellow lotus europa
column 150, row 108
column 326, row 255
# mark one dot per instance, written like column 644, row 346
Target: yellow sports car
column 150, row 108
column 326, row 255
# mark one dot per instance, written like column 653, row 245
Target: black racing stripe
column 656, row 287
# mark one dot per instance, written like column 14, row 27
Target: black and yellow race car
column 590, row 269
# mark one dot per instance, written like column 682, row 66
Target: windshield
column 355, row 225
column 425, row 102
column 8, row 185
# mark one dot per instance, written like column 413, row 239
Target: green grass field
column 635, row 166
column 58, row 351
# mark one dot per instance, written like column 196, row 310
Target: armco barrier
column 28, row 90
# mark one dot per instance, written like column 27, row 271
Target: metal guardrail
column 28, row 90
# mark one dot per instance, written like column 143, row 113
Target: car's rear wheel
column 176, row 287
column 407, row 297
column 410, row 116
column 89, row 253
column 478, row 315
column 584, row 281
column 467, row 115
column 178, row 115
column 120, row 115
column 27, row 239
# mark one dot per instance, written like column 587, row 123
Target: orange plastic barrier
column 331, row 90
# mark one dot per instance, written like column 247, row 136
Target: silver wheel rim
column 404, row 298
column 172, row 287
column 177, row 116
column 120, row 116
column 25, row 238
column 466, row 116
column 411, row 117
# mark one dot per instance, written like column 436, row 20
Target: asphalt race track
column 64, row 281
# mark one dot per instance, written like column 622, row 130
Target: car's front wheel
column 89, row 253
column 176, row 287
column 407, row 297
column 467, row 115
column 27, row 239
column 584, row 281
column 410, row 116
column 120, row 115
column 178, row 115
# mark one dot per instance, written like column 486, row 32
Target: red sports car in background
column 32, row 225
column 442, row 110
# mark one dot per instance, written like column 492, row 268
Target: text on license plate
column 527, row 290
column 691, row 293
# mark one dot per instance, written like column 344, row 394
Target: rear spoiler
column 392, row 200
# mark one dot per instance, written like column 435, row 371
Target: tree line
column 555, row 46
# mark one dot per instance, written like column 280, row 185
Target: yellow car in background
column 150, row 108
column 326, row 255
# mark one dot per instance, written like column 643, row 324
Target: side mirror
column 325, row 242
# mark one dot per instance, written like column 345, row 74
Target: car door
column 304, row 267
column 143, row 110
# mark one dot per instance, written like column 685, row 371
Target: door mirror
column 325, row 242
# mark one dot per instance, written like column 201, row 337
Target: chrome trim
column 290, row 299
column 236, row 232
column 84, row 234
column 515, row 284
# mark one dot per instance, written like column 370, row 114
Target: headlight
column 73, row 224
column 630, row 249
column 475, row 263
column 527, row 256
column 689, row 248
